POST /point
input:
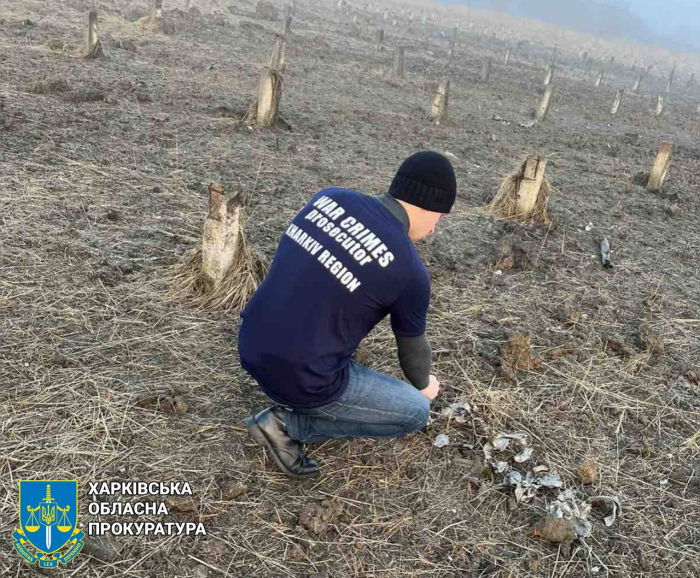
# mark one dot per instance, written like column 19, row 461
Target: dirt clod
column 616, row 344
column 505, row 259
column 164, row 402
column 651, row 339
column 517, row 354
column 181, row 406
column 570, row 316
column 51, row 86
column 128, row 45
column 181, row 504
column 554, row 529
column 588, row 472
column 316, row 517
column 232, row 490
column 106, row 548
column 265, row 9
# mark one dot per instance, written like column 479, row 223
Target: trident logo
column 57, row 521
column 48, row 517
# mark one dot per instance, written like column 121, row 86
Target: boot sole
column 258, row 435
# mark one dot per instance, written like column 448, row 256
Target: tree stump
column 553, row 60
column 397, row 71
column 378, row 39
column 659, row 105
column 286, row 26
column 155, row 22
column 599, row 79
column 638, row 83
column 277, row 56
column 92, row 47
column 524, row 195
column 671, row 77
column 222, row 230
column 550, row 74
column 438, row 112
column 533, row 175
column 453, row 43
column 269, row 95
column 545, row 102
column 660, row 168
column 486, row 69
column 618, row 100
column 156, row 9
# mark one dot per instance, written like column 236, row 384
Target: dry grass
column 189, row 287
column 157, row 24
column 101, row 202
column 504, row 204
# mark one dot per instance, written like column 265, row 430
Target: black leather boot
column 268, row 428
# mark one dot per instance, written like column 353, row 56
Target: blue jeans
column 374, row 405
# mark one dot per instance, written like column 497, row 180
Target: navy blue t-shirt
column 341, row 266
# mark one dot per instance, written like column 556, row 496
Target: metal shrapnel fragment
column 605, row 253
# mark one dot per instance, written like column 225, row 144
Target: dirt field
column 103, row 172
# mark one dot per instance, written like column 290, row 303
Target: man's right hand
column 433, row 388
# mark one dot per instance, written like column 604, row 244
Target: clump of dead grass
column 189, row 286
column 505, row 204
column 156, row 24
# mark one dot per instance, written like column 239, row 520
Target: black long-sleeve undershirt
column 415, row 356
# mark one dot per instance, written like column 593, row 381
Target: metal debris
column 501, row 441
column 567, row 506
column 441, row 441
column 605, row 252
column 616, row 507
column 551, row 480
column 457, row 411
column 524, row 455
column 526, row 486
column 525, row 483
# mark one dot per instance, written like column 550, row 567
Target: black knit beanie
column 426, row 179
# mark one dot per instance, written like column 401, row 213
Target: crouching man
column 345, row 262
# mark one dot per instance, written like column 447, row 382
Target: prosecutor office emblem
column 48, row 521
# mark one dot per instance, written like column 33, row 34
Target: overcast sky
column 675, row 16
column 674, row 23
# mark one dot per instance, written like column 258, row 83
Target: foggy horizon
column 676, row 26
